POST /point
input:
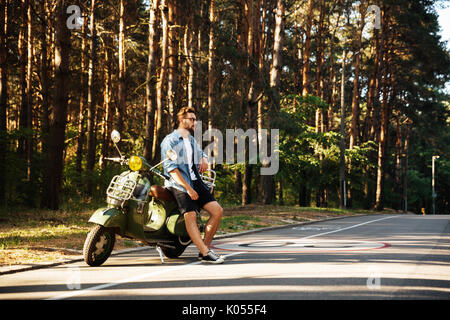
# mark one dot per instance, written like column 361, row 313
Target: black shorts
column 184, row 201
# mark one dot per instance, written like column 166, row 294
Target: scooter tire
column 179, row 247
column 98, row 245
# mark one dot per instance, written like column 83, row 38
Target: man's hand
column 176, row 175
column 203, row 165
column 192, row 193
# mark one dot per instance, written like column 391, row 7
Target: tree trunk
column 150, row 81
column 211, row 75
column 320, row 191
column 307, row 51
column 369, row 121
column 379, row 200
column 396, row 187
column 198, row 77
column 3, row 96
column 267, row 181
column 249, row 92
column 172, row 64
column 385, row 113
column 354, row 127
column 333, row 78
column 342, row 180
column 190, row 52
column 23, row 58
column 247, row 184
column 304, row 190
column 162, row 80
column 261, row 115
column 405, row 168
column 91, row 104
column 52, row 179
column 82, row 105
column 237, row 182
column 106, row 101
column 29, row 123
column 372, row 93
column 45, row 76
column 121, row 105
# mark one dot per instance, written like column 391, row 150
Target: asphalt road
column 364, row 257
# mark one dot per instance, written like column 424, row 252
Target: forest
column 356, row 90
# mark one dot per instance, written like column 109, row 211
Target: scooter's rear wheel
column 98, row 245
column 180, row 244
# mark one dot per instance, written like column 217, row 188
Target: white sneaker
column 212, row 257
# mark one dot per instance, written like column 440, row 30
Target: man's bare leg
column 215, row 211
column 190, row 219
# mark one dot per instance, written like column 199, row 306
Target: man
column 186, row 185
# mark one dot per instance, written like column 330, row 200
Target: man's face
column 188, row 122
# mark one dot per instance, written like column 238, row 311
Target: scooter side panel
column 176, row 225
column 156, row 216
column 109, row 217
column 135, row 221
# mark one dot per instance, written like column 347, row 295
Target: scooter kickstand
column 160, row 253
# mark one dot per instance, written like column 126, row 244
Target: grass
column 33, row 236
column 240, row 223
column 30, row 227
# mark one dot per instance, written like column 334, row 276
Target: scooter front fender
column 110, row 217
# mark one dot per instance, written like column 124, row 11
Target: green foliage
column 311, row 159
column 415, row 66
column 225, row 181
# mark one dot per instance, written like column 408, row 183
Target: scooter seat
column 161, row 193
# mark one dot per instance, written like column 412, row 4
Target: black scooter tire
column 173, row 253
column 94, row 252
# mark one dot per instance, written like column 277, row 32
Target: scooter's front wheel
column 98, row 245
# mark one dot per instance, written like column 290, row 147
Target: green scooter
column 140, row 211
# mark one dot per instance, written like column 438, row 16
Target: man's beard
column 191, row 130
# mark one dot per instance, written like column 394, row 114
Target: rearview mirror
column 115, row 136
column 172, row 155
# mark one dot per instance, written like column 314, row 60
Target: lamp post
column 433, row 193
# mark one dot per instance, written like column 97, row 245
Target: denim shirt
column 174, row 141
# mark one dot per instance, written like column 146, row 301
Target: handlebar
column 120, row 160
column 123, row 161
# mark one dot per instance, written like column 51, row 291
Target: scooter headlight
column 135, row 163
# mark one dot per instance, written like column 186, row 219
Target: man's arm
column 176, row 175
column 199, row 153
column 203, row 166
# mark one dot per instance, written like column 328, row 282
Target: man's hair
column 183, row 112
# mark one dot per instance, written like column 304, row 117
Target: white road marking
column 166, row 270
column 351, row 227
column 297, row 245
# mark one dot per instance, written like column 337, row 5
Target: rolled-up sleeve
column 168, row 165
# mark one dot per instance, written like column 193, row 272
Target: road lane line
column 346, row 228
column 146, row 275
